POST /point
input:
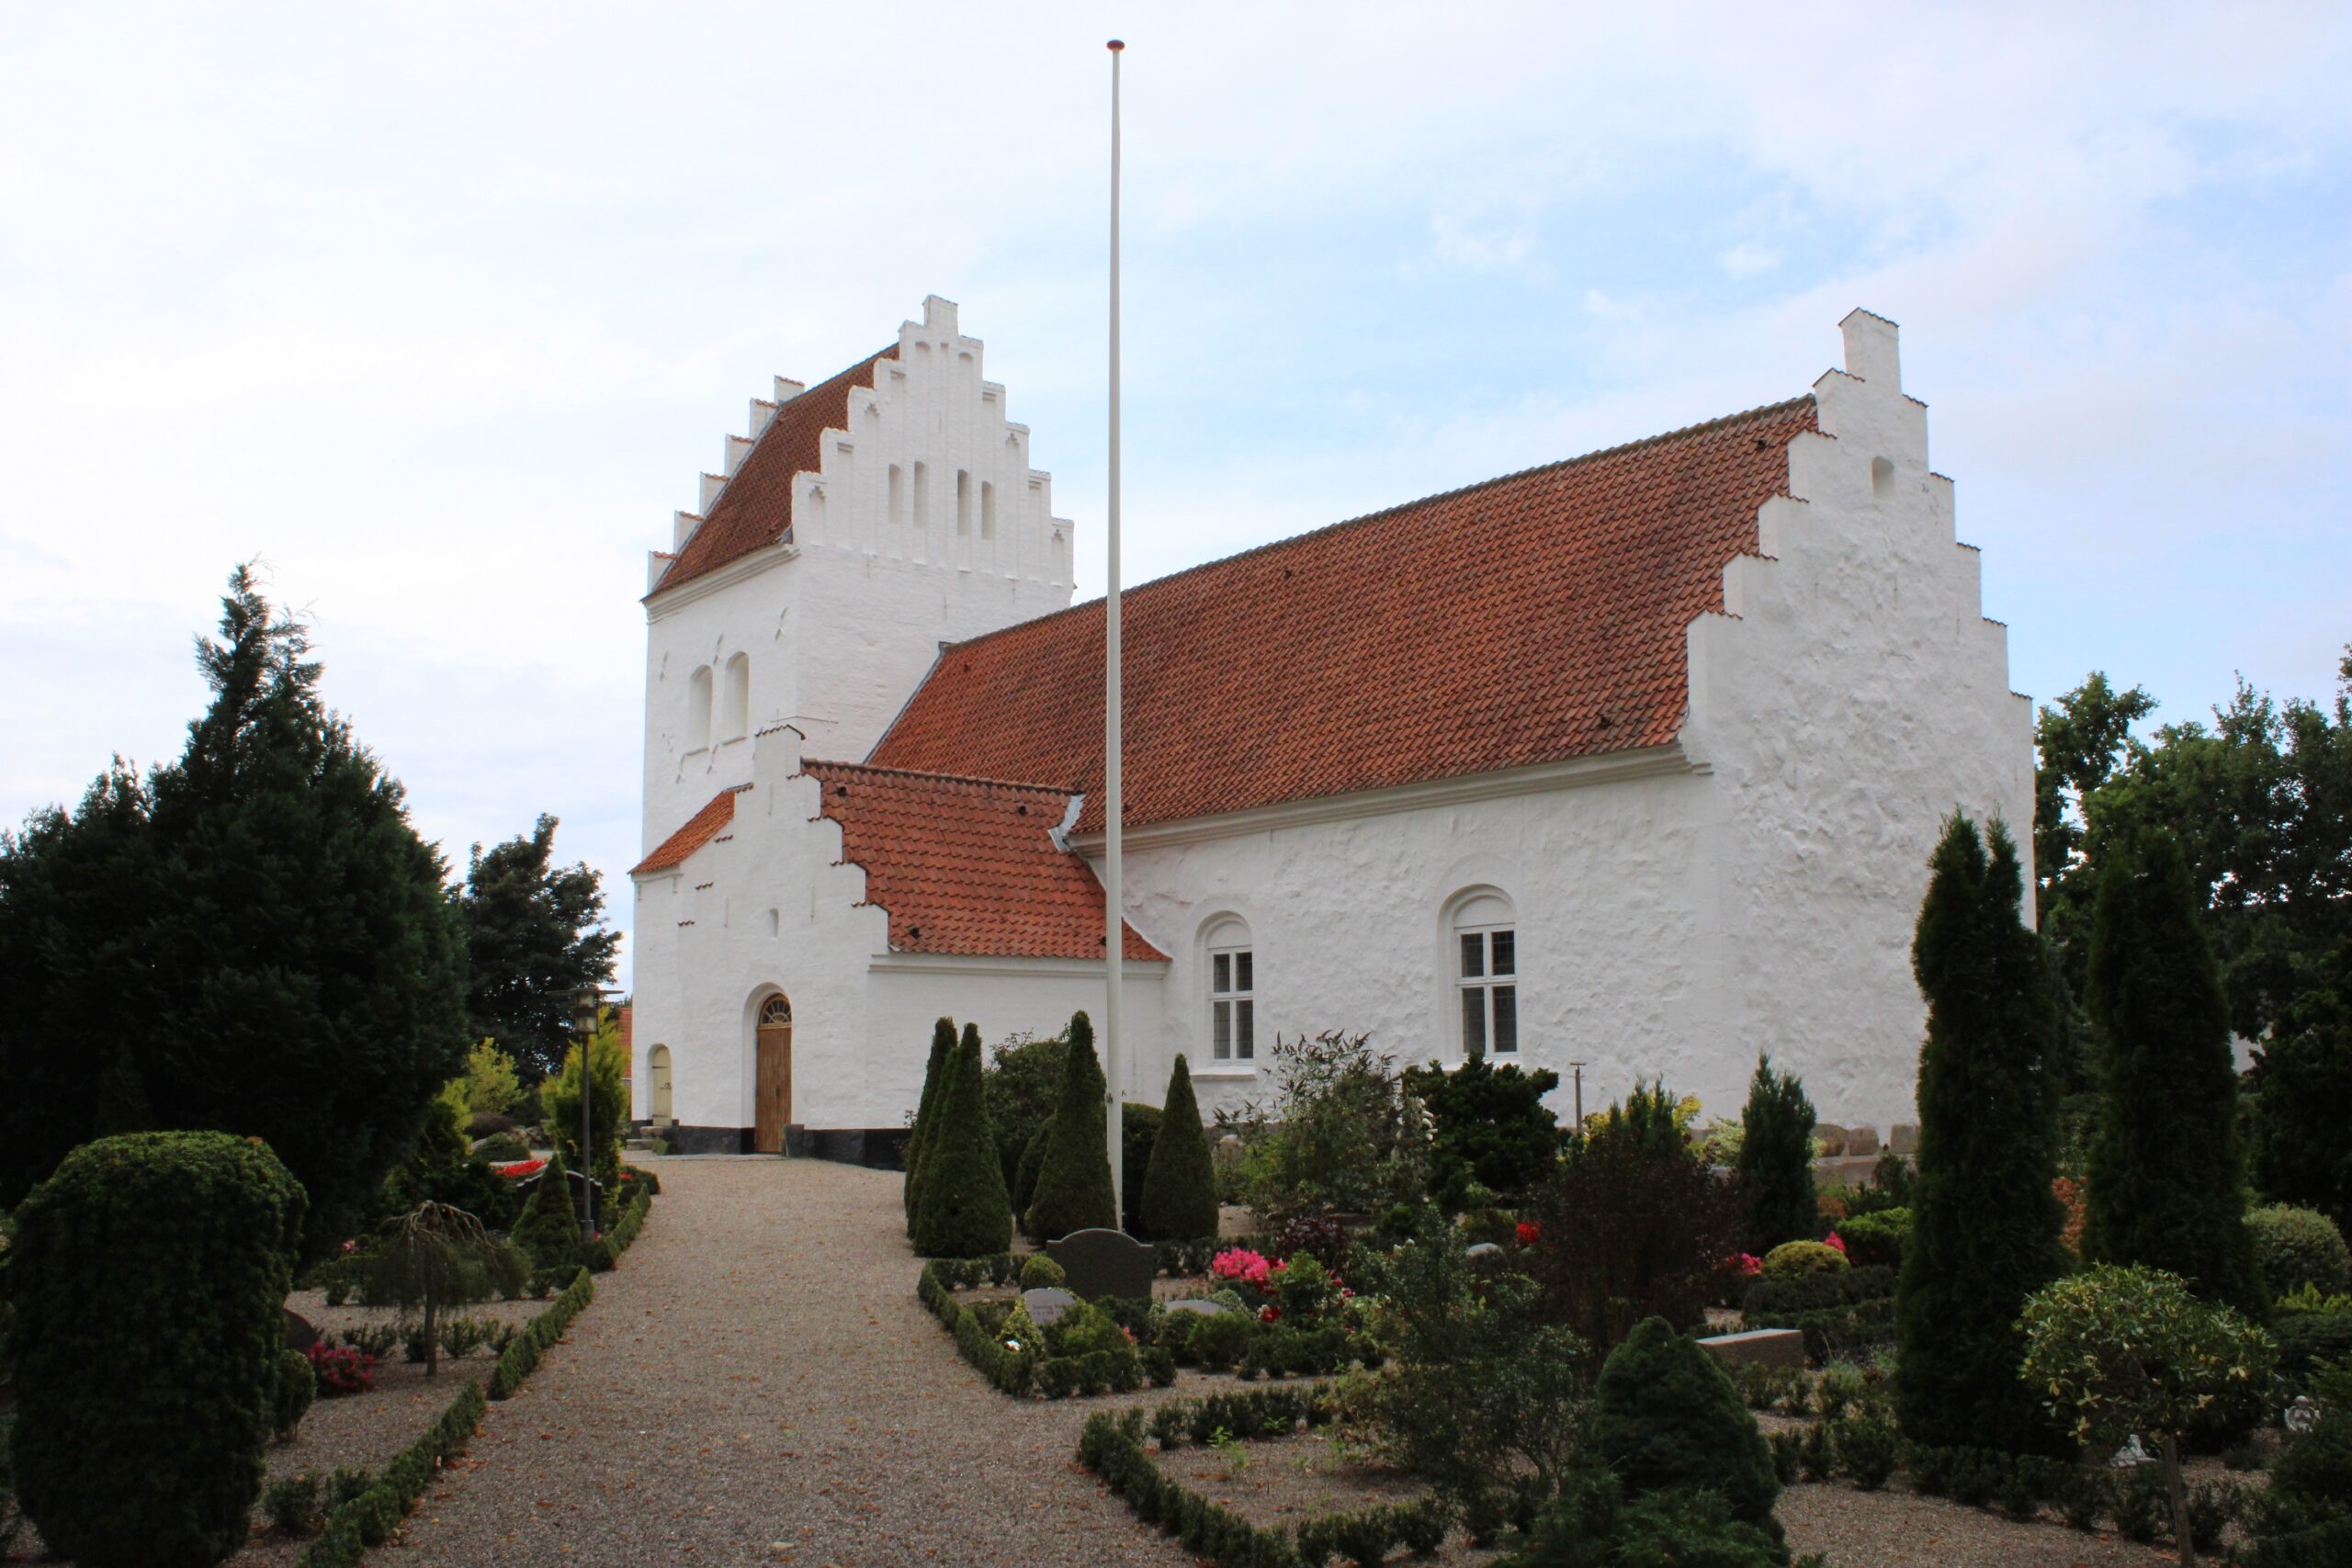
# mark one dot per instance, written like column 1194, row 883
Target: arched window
column 1484, row 951
column 738, row 722
column 698, row 709
column 1232, row 993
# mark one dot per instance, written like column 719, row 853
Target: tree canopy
column 251, row 939
column 533, row 940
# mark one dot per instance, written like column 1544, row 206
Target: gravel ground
column 1896, row 1527
column 757, row 1384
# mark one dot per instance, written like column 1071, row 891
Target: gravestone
column 1828, row 1139
column 1484, row 1252
column 1105, row 1263
column 300, row 1333
column 1047, row 1304
column 1861, row 1141
column 1902, row 1138
column 1758, row 1347
column 1199, row 1306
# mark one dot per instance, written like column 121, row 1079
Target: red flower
column 1269, row 1314
column 1528, row 1232
column 1836, row 1241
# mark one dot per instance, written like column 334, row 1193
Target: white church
column 1632, row 761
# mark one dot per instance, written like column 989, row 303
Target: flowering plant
column 1834, row 1239
column 1529, row 1232
column 1744, row 1264
column 1242, row 1266
column 1270, row 1315
column 521, row 1167
column 341, row 1371
column 1830, row 1206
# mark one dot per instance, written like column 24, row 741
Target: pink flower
column 1241, row 1263
column 1269, row 1314
column 1745, row 1263
column 1836, row 1241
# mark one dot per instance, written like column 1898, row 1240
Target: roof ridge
column 1063, row 790
column 1787, row 405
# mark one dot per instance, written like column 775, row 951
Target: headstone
column 300, row 1334
column 1047, row 1303
column 1828, row 1139
column 1861, row 1141
column 1199, row 1305
column 1758, row 1347
column 1484, row 1252
column 1902, row 1138
column 1105, row 1263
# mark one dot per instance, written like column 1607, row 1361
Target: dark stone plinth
column 1105, row 1263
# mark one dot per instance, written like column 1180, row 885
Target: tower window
column 988, row 510
column 737, row 713
column 698, row 709
column 922, row 495
column 963, row 500
column 898, row 494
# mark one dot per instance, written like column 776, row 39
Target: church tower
column 856, row 526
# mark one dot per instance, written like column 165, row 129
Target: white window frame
column 1232, row 976
column 1478, row 990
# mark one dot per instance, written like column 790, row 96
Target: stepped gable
column 699, row 830
column 968, row 866
column 1532, row 618
column 754, row 508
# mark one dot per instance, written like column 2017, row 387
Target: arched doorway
column 773, row 1110
column 657, row 1086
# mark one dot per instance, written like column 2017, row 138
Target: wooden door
column 773, row 1112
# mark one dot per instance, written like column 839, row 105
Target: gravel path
column 757, row 1384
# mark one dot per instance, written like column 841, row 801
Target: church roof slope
column 968, row 866
column 698, row 830
column 755, row 508
column 1532, row 618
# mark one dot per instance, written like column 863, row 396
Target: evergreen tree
column 549, row 1228
column 608, row 1106
column 533, row 943
column 964, row 1210
column 1074, row 1182
column 1984, row 1225
column 2302, row 1101
column 934, row 1073
column 1666, row 1415
column 2166, row 1172
column 252, row 939
column 1179, row 1184
column 1776, row 1160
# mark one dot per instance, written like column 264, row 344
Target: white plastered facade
column 1677, row 909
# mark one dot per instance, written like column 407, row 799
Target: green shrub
column 502, row 1149
column 2294, row 1247
column 1349, row 1134
column 926, row 1128
column 1815, row 1459
column 1875, row 1240
column 1787, row 1448
column 293, row 1504
column 1776, row 1161
column 2308, row 1339
column 961, row 1207
column 1591, row 1524
column 520, row 1358
column 2302, row 1099
column 436, row 1256
column 608, row 1110
column 1039, row 1272
column 297, row 1386
column 1805, row 1257
column 181, row 1244
column 1668, row 1416
column 1074, row 1181
column 1488, row 1124
column 549, row 1229
column 1138, row 1131
column 1179, row 1184
column 1867, row 1448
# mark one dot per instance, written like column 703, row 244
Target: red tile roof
column 1532, row 618
column 700, row 829
column 968, row 866
column 756, row 509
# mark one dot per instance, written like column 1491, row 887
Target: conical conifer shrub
column 1666, row 1415
column 2165, row 1170
column 942, row 1050
column 1776, row 1160
column 1074, row 1183
column 549, row 1228
column 1179, row 1184
column 1984, row 1225
column 964, row 1211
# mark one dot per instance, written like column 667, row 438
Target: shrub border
column 1023, row 1373
column 1112, row 1447
column 369, row 1520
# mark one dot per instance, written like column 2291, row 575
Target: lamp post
column 584, row 1011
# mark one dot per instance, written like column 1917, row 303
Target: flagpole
column 1113, row 902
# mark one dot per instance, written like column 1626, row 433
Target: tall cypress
column 1776, row 1160
column 1179, row 1184
column 1074, row 1184
column 2164, row 1166
column 942, row 1050
column 1984, row 1225
column 962, row 1208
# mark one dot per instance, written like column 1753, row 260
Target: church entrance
column 773, row 1112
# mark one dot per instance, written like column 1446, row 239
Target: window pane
column 1241, row 972
column 1506, row 1019
column 1221, row 1030
column 1244, row 1021
column 1473, row 1021
column 1221, row 972
column 1473, row 955
column 1506, row 952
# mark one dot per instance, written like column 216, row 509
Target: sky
column 437, row 311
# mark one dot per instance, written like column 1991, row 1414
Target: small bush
column 1668, row 1416
column 1805, row 1257
column 1221, row 1340
column 297, row 1386
column 1039, row 1272
column 1867, row 1446
column 2140, row 1503
column 1816, row 1458
column 1179, row 1201
column 1787, row 1447
column 2086, row 1496
column 340, row 1372
column 1593, row 1523
column 2295, row 1247
column 293, row 1504
column 502, row 1149
column 1876, row 1240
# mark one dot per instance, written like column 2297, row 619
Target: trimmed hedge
column 518, row 1359
column 1792, row 1293
column 147, row 1277
column 1112, row 1447
column 370, row 1518
column 1028, row 1371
